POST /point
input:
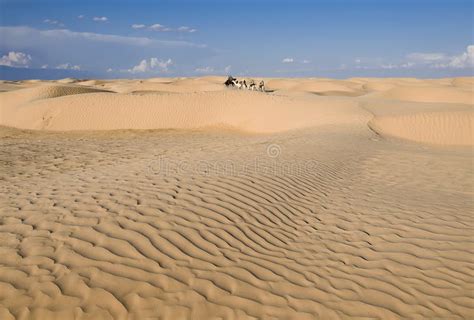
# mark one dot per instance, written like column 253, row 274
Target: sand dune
column 449, row 128
column 467, row 83
column 205, row 102
column 41, row 92
column 432, row 123
column 248, row 111
column 430, row 94
column 307, row 202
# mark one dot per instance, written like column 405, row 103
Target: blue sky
column 338, row 38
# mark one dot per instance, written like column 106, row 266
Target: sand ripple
column 97, row 227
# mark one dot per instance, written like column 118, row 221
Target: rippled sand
column 315, row 217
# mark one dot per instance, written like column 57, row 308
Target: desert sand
column 178, row 198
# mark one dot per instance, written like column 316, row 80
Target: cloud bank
column 442, row 60
column 20, row 36
column 100, row 19
column 161, row 28
column 92, row 51
column 15, row 59
column 68, row 66
column 153, row 64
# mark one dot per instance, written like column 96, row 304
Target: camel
column 242, row 84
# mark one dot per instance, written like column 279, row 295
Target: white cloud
column 162, row 28
column 442, row 60
column 97, row 51
column 44, row 66
column 426, row 57
column 53, row 22
column 99, row 37
column 81, row 16
column 110, row 70
column 186, row 29
column 138, row 26
column 100, row 19
column 157, row 27
column 305, row 61
column 464, row 60
column 365, row 67
column 424, row 60
column 213, row 70
column 406, row 65
column 26, row 36
column 204, row 70
column 68, row 66
column 150, row 65
column 288, row 60
column 16, row 59
column 143, row 66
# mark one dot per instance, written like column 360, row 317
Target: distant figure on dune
column 261, row 86
column 252, row 85
column 231, row 81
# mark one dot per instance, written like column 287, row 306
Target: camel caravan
column 242, row 84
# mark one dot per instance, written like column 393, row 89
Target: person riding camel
column 230, row 81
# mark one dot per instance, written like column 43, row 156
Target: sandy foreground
column 321, row 199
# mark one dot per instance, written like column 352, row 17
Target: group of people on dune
column 243, row 84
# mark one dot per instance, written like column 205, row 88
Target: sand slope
column 303, row 203
column 429, row 94
column 447, row 128
column 249, row 111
